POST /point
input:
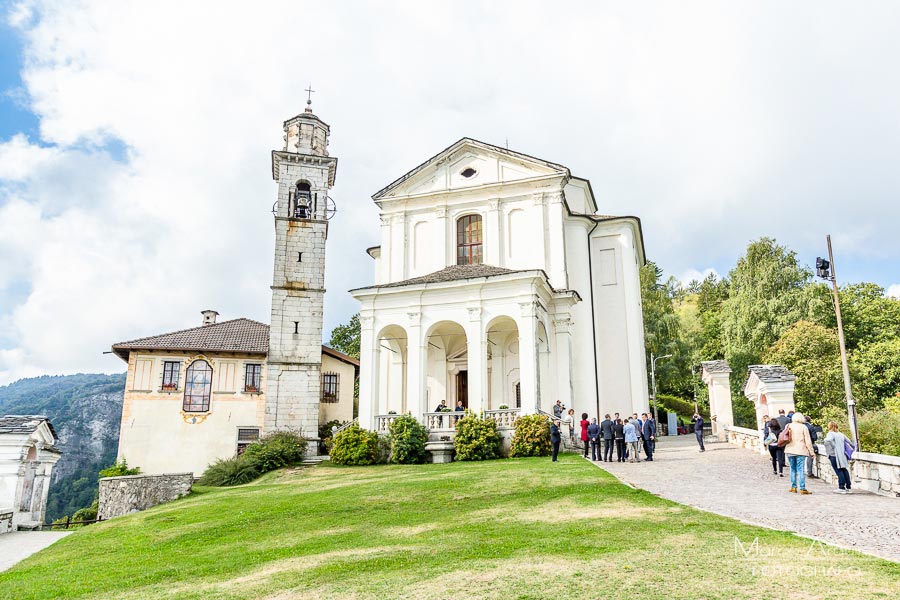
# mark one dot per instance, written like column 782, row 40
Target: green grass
column 520, row 528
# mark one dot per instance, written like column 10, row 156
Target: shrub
column 503, row 407
column 278, row 449
column 355, row 446
column 679, row 406
column 88, row 513
column 408, row 438
column 325, row 435
column 531, row 437
column 879, row 431
column 226, row 472
column 476, row 438
column 118, row 469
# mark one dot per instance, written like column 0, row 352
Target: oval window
column 468, row 172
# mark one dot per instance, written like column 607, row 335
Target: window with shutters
column 330, row 387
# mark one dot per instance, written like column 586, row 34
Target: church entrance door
column 462, row 388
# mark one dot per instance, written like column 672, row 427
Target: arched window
column 197, row 385
column 468, row 240
column 302, row 201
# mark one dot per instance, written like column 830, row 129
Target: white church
column 499, row 286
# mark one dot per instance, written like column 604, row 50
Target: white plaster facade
column 27, row 457
column 552, row 312
column 770, row 388
column 717, row 376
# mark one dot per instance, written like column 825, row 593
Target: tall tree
column 662, row 332
column 345, row 338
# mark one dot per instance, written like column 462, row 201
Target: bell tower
column 304, row 173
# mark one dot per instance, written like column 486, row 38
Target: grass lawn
column 520, row 528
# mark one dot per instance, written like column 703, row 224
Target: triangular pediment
column 468, row 164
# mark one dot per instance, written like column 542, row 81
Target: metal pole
column 653, row 379
column 851, row 403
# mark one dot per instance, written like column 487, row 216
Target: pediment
column 468, row 164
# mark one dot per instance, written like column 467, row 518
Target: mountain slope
column 85, row 410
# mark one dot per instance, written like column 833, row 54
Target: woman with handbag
column 798, row 448
column 773, row 428
column 834, row 447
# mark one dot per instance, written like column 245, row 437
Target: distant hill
column 85, row 410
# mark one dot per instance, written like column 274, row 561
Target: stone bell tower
column 304, row 173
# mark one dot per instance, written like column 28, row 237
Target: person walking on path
column 594, row 437
column 798, row 450
column 835, row 441
column 782, row 419
column 608, row 434
column 638, row 428
column 649, row 436
column 584, row 433
column 813, row 435
column 555, row 438
column 773, row 429
column 698, row 430
column 631, row 439
column 619, row 432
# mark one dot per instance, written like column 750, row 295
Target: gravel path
column 19, row 545
column 736, row 482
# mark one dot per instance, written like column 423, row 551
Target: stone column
column 556, row 270
column 416, row 348
column 563, row 365
column 717, row 376
column 529, row 373
column 476, row 359
column 387, row 251
column 493, row 242
column 368, row 372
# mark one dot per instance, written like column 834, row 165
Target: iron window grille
column 171, row 370
column 197, row 387
column 252, row 377
column 246, row 436
column 330, row 384
column 469, row 240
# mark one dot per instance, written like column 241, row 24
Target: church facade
column 499, row 287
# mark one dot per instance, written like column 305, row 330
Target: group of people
column 627, row 436
column 790, row 437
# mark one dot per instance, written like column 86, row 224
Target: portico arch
column 446, row 364
column 503, row 363
column 392, row 351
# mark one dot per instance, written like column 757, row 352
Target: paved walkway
column 19, row 545
column 739, row 483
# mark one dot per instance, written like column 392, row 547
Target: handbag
column 849, row 449
column 785, row 437
column 770, row 439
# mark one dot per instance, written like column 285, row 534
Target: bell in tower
column 304, row 173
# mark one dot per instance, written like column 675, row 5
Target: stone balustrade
column 505, row 418
column 442, row 421
column 745, row 438
column 383, row 423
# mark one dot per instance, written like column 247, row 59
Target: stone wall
column 877, row 473
column 132, row 493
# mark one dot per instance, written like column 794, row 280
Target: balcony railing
column 506, row 418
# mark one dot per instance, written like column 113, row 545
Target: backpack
column 849, row 449
column 785, row 437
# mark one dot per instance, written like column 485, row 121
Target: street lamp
column 825, row 270
column 653, row 360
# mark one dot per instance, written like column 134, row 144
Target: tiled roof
column 24, row 424
column 769, row 374
column 238, row 335
column 716, row 366
column 452, row 273
column 340, row 356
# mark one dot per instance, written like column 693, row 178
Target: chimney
column 209, row 317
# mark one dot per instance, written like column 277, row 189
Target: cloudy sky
column 135, row 187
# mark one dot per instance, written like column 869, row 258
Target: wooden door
column 462, row 388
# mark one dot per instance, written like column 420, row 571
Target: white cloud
column 715, row 123
column 690, row 275
column 894, row 291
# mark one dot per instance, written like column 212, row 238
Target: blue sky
column 134, row 142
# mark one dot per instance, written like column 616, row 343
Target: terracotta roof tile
column 236, row 335
column 452, row 273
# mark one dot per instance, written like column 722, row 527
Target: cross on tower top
column 309, row 92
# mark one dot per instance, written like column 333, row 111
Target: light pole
column 653, row 360
column 825, row 270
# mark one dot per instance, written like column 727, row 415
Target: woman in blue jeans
column 798, row 452
column 834, row 447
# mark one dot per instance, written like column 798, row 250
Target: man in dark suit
column 593, row 432
column 555, row 439
column 782, row 419
column 698, row 430
column 649, row 431
column 606, row 432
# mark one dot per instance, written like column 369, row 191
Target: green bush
column 476, row 438
column 531, row 437
column 88, row 513
column 226, row 472
column 879, row 432
column 325, row 435
column 408, row 438
column 278, row 449
column 355, row 446
column 119, row 469
column 679, row 406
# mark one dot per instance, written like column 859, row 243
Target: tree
column 810, row 351
column 868, row 315
column 876, row 369
column 345, row 338
column 662, row 331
